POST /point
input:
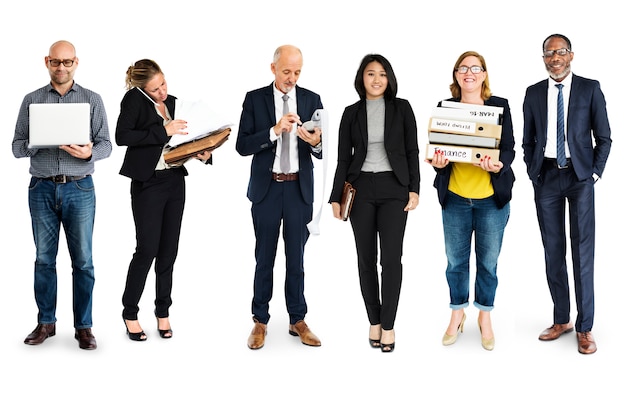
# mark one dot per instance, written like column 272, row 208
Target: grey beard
column 559, row 76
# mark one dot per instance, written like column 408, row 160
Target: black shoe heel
column 165, row 334
column 139, row 336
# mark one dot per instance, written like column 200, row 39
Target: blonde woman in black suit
column 378, row 155
column 145, row 125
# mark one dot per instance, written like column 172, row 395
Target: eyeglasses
column 560, row 52
column 475, row 69
column 56, row 62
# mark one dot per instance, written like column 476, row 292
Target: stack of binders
column 465, row 132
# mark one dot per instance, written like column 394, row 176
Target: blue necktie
column 560, row 129
column 284, row 152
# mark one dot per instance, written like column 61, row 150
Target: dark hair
column 392, row 83
column 557, row 36
column 139, row 74
column 455, row 88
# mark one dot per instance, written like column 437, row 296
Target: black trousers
column 157, row 206
column 378, row 219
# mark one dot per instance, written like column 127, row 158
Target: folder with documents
column 189, row 149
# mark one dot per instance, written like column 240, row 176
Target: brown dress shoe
column 41, row 332
column 256, row 339
column 86, row 339
column 555, row 331
column 586, row 343
column 307, row 337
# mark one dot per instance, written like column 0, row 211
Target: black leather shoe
column 41, row 332
column 86, row 339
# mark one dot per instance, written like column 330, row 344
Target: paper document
column 201, row 121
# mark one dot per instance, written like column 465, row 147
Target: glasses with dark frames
column 560, row 52
column 474, row 69
column 56, row 62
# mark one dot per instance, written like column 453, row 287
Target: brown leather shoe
column 307, row 337
column 256, row 339
column 555, row 331
column 586, row 343
column 86, row 339
column 41, row 332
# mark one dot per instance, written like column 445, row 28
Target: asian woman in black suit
column 378, row 155
column 145, row 125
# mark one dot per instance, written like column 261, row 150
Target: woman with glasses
column 378, row 155
column 474, row 198
column 145, row 125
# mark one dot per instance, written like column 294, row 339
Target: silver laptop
column 57, row 124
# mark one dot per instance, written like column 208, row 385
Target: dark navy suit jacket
column 587, row 121
column 257, row 117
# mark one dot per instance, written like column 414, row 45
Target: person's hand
column 414, row 200
column 285, row 123
column 489, row 165
column 204, row 156
column 312, row 138
column 336, row 210
column 78, row 151
column 439, row 160
column 176, row 126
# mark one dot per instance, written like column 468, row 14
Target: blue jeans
column 462, row 218
column 72, row 205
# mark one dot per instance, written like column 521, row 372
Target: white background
column 217, row 51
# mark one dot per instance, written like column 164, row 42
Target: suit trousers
column 157, row 206
column 557, row 187
column 378, row 218
column 282, row 204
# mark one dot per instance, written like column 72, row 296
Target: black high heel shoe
column 388, row 347
column 375, row 343
column 165, row 334
column 139, row 336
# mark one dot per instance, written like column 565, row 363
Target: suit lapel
column 269, row 102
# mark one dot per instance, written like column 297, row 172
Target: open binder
column 191, row 148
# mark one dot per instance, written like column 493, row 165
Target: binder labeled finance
column 462, row 154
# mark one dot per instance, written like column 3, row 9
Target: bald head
column 61, row 62
column 286, row 67
column 62, row 45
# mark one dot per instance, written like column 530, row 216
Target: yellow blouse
column 470, row 181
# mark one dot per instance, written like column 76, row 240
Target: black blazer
column 257, row 117
column 400, row 138
column 141, row 129
column 502, row 182
column 586, row 119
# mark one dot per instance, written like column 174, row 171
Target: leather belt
column 62, row 179
column 553, row 163
column 280, row 177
